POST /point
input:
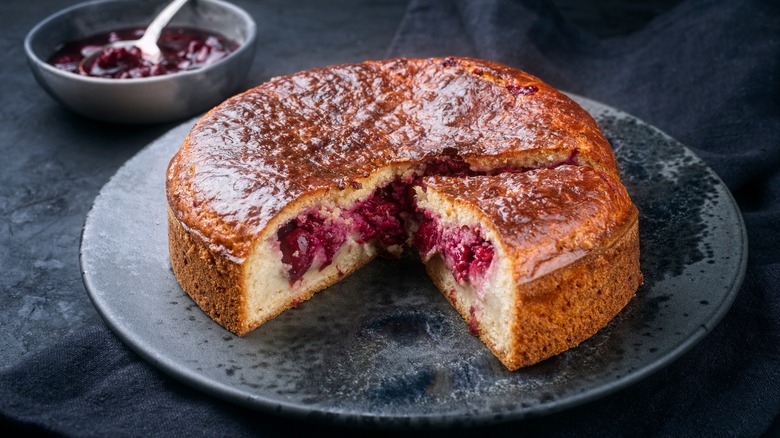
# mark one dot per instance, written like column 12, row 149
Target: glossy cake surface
column 284, row 189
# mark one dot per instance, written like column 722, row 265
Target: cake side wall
column 565, row 307
column 212, row 280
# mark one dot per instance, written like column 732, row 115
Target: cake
column 536, row 261
column 281, row 191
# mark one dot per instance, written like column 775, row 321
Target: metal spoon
column 150, row 51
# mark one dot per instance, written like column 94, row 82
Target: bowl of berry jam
column 207, row 50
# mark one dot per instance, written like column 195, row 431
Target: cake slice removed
column 536, row 262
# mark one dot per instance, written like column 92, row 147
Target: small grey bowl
column 143, row 100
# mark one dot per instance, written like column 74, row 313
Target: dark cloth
column 706, row 72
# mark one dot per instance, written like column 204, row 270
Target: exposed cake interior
column 463, row 261
column 312, row 239
column 334, row 236
column 387, row 217
column 464, row 249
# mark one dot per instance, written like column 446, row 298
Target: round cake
column 506, row 187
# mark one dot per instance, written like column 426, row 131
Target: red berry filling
column 310, row 237
column 305, row 239
column 465, row 252
column 384, row 214
column 296, row 252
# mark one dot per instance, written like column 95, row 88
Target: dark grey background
column 53, row 162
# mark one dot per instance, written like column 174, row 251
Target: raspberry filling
column 313, row 240
column 465, row 252
column 306, row 239
column 310, row 239
column 384, row 214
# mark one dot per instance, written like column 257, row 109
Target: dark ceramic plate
column 383, row 347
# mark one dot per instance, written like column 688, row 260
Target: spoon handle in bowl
column 152, row 33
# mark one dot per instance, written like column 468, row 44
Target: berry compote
column 182, row 49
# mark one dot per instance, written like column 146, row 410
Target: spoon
column 150, row 51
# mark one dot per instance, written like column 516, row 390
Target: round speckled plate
column 384, row 347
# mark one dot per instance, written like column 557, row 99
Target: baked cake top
column 330, row 128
